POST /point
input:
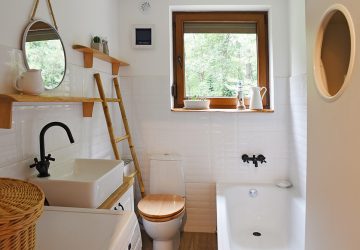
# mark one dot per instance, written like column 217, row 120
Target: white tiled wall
column 211, row 144
column 298, row 96
column 20, row 144
column 298, row 105
column 298, row 121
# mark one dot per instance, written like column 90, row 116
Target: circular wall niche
column 334, row 52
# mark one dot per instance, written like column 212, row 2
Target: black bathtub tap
column 43, row 165
column 255, row 159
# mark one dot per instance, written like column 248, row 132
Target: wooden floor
column 189, row 241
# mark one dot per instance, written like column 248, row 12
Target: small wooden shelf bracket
column 88, row 60
column 88, row 108
column 5, row 113
column 90, row 53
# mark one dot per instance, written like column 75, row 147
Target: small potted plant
column 96, row 43
column 196, row 102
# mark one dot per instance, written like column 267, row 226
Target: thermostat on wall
column 143, row 35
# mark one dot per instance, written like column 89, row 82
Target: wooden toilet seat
column 161, row 207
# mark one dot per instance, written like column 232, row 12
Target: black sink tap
column 43, row 165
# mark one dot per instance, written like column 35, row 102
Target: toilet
column 163, row 209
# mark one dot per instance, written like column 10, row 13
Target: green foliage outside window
column 215, row 63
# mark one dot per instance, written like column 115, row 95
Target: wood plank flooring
column 189, row 241
column 198, row 241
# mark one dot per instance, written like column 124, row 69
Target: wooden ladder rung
column 127, row 136
column 132, row 174
column 112, row 100
column 119, row 139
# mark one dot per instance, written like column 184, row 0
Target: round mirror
column 44, row 50
column 334, row 52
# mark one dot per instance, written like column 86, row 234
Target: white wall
column 333, row 202
column 298, row 119
column 211, row 143
column 19, row 145
column 298, row 95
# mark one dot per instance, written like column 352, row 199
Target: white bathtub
column 273, row 212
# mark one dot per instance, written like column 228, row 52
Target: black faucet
column 43, row 165
column 254, row 159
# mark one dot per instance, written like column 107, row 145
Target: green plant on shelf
column 96, row 39
column 96, row 43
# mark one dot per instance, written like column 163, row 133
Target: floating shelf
column 90, row 53
column 223, row 110
column 7, row 100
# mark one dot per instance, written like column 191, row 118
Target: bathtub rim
column 223, row 227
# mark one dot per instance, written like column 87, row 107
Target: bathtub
column 261, row 216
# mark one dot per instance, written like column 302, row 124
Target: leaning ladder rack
column 127, row 136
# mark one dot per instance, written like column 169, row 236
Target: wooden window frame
column 179, row 18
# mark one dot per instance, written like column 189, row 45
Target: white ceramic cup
column 30, row 82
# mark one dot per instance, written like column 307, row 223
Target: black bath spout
column 255, row 159
column 43, row 165
column 261, row 159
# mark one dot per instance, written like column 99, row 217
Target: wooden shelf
column 45, row 98
column 90, row 53
column 223, row 110
column 7, row 100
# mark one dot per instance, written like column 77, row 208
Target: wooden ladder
column 127, row 136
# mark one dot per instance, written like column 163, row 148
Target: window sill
column 223, row 110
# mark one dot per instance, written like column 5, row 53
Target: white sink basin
column 83, row 183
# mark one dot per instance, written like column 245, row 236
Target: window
column 215, row 53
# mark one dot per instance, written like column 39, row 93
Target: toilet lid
column 158, row 206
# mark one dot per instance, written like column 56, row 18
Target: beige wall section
column 333, row 199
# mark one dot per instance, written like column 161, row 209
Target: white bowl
column 196, row 104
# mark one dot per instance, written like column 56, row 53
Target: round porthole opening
column 334, row 52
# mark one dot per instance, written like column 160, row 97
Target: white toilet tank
column 166, row 174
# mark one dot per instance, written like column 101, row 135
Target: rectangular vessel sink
column 83, row 183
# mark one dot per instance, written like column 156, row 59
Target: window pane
column 215, row 63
